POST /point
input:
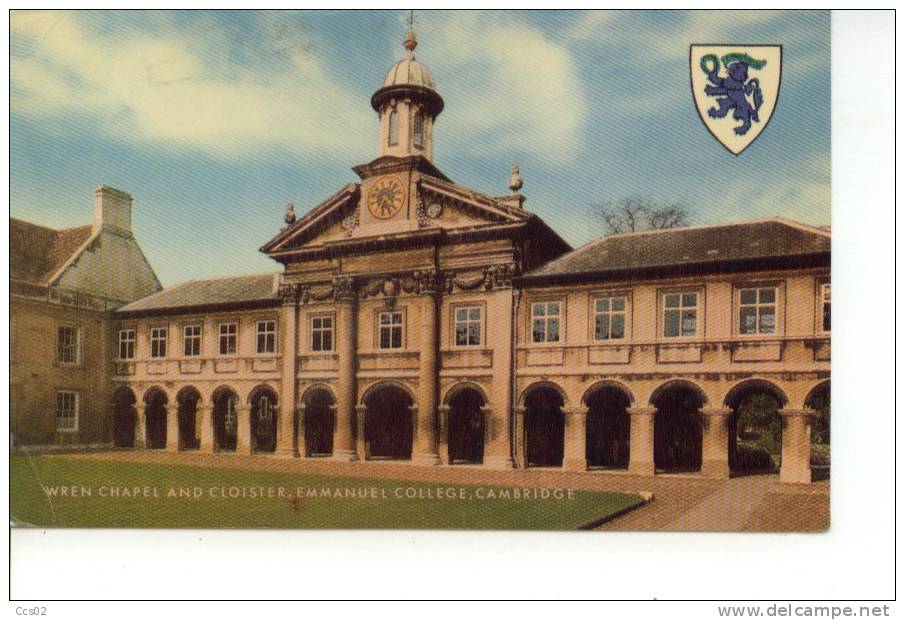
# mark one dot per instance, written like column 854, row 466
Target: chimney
column 112, row 210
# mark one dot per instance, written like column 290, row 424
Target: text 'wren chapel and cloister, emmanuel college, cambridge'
column 417, row 320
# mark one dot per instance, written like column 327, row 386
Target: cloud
column 177, row 89
column 508, row 87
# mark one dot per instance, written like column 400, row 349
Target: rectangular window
column 68, row 344
column 158, row 342
column 191, row 340
column 67, row 413
column 757, row 310
column 680, row 314
column 825, row 306
column 126, row 348
column 545, row 321
column 609, row 318
column 390, row 330
column 229, row 335
column 468, row 326
column 266, row 336
column 322, row 333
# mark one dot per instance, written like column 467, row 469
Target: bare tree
column 634, row 214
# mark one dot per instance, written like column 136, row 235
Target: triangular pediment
column 397, row 199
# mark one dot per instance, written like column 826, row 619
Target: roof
column 227, row 291
column 37, row 253
column 716, row 246
column 409, row 71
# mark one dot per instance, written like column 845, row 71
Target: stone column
column 360, row 444
column 641, row 441
column 140, row 428
column 285, row 412
column 243, row 429
column 443, row 436
column 172, row 415
column 344, row 442
column 715, row 445
column 575, row 458
column 424, row 450
column 796, row 446
column 206, row 412
column 300, row 429
column 521, row 453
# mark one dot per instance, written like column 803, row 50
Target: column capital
column 344, row 289
column 641, row 410
column 519, row 410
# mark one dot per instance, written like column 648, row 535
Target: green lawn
column 268, row 499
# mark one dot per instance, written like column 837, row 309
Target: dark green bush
column 820, row 454
column 752, row 457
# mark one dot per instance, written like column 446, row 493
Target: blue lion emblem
column 732, row 91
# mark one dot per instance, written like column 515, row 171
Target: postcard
column 506, row 270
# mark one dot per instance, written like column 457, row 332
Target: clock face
column 386, row 198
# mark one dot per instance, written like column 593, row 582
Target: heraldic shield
column 735, row 90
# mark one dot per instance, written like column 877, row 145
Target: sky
column 215, row 120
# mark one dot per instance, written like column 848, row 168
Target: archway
column 319, row 422
column 188, row 399
column 125, row 418
column 263, row 419
column 226, row 420
column 819, row 400
column 608, row 427
column 388, row 424
column 545, row 426
column 755, row 427
column 678, row 427
column 465, row 426
column 156, row 419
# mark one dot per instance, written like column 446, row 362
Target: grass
column 377, row 503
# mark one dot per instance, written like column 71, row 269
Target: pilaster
column 796, row 445
column 715, row 445
column 575, row 458
column 206, row 413
column 344, row 441
column 641, row 440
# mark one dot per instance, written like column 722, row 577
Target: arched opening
column 263, row 419
column 125, row 418
column 418, row 129
column 188, row 399
column 819, row 401
column 755, row 427
column 607, row 439
column 393, row 128
column 388, row 424
column 156, row 419
column 678, row 427
column 545, row 426
column 319, row 422
column 226, row 420
column 465, row 426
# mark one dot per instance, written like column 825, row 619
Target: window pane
column 385, row 338
column 689, row 300
column 603, row 305
column 538, row 332
column 538, row 310
column 748, row 296
column 767, row 320
column 384, row 318
column 671, row 323
column 461, row 334
column 617, row 326
column 327, row 322
column 553, row 309
column 601, row 327
column 397, row 338
column 462, row 314
column 328, row 341
column 553, row 330
column 618, row 304
column 826, row 317
column 474, row 314
column 316, row 322
column 767, row 295
column 474, row 333
column 672, row 300
column 689, row 322
column 747, row 321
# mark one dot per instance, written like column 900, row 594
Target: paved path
column 682, row 502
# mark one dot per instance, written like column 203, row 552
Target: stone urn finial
column 289, row 218
column 515, row 181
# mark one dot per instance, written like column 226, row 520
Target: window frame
column 481, row 322
column 76, row 345
column 418, row 128
column 165, row 339
column 823, row 299
column 390, row 326
column 312, row 330
column 199, row 338
column 757, row 287
column 625, row 312
column 74, row 414
column 221, row 335
column 560, row 317
column 272, row 334
column 120, row 342
column 700, row 301
column 393, row 131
